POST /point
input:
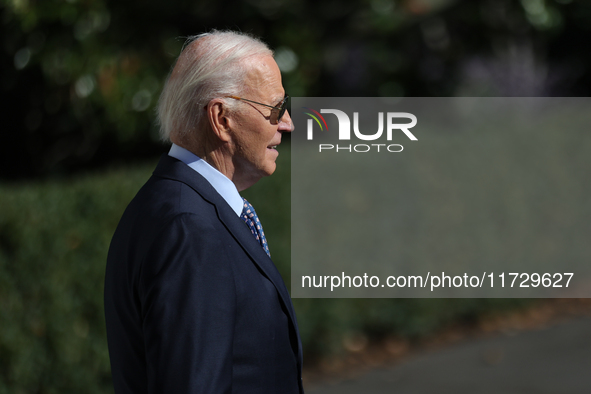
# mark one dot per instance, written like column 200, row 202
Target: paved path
column 556, row 359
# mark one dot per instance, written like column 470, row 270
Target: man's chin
column 270, row 164
column 270, row 169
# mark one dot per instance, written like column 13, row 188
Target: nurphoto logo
column 344, row 132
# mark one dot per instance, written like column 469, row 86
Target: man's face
column 255, row 137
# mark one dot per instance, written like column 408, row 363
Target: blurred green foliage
column 53, row 243
column 80, row 79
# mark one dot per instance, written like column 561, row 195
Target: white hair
column 209, row 66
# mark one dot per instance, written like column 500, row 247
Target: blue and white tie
column 256, row 228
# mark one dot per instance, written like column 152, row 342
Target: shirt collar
column 222, row 184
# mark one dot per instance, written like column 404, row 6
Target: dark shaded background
column 80, row 79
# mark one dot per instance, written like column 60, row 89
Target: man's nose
column 286, row 124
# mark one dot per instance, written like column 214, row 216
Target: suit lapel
column 242, row 234
column 172, row 168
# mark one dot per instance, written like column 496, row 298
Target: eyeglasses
column 276, row 112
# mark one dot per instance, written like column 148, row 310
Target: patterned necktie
column 256, row 228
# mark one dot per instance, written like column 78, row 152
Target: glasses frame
column 278, row 111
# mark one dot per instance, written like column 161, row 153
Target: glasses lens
column 283, row 108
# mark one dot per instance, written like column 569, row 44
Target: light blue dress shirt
column 222, row 184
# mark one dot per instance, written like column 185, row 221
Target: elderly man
column 193, row 302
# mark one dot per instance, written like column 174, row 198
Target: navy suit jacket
column 193, row 304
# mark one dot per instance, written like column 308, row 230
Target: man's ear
column 218, row 117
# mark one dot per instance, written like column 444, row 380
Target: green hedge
column 53, row 244
column 54, row 238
